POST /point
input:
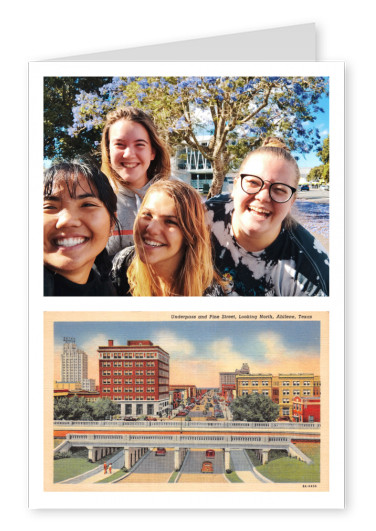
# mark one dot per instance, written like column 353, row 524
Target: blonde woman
column 259, row 248
column 134, row 156
column 172, row 255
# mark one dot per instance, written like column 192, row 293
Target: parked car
column 207, row 467
column 210, row 454
column 211, row 418
column 304, row 187
column 130, row 418
column 151, row 418
column 160, row 451
column 181, row 414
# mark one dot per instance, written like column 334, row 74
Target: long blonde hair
column 196, row 272
column 160, row 167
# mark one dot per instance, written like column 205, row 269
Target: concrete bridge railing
column 189, row 425
column 198, row 441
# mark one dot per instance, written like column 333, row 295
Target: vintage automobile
column 160, row 451
column 210, row 454
column 207, row 467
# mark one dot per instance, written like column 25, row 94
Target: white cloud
column 274, row 349
column 91, row 346
column 175, row 346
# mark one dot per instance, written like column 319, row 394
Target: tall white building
column 73, row 362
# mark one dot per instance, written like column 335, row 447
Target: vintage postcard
column 229, row 389
column 186, row 401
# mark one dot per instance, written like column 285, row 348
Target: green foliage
column 323, row 154
column 59, row 98
column 254, row 458
column 74, row 408
column 291, row 470
column 62, row 455
column 282, row 469
column 315, row 174
column 173, row 476
column 236, row 111
column 233, row 477
column 104, row 408
column 254, row 408
column 321, row 173
column 77, row 408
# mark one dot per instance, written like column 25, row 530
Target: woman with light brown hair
column 259, row 248
column 134, row 156
column 172, row 254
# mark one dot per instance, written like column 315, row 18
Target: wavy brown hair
column 196, row 271
column 160, row 167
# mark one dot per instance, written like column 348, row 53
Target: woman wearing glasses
column 259, row 248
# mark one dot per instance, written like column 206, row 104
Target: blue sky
column 199, row 350
column 311, row 160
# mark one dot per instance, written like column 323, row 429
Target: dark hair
column 69, row 172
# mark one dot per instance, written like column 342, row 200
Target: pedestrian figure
column 110, row 468
column 105, row 468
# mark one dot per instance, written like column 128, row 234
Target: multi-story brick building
column 247, row 384
column 136, row 375
column 316, row 386
column 292, row 386
column 306, row 409
column 281, row 389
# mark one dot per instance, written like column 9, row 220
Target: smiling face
column 257, row 220
column 76, row 230
column 131, row 152
column 158, row 236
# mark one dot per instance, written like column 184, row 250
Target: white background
column 42, row 30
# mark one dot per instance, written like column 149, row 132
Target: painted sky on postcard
column 200, row 350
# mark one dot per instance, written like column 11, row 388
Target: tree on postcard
column 254, row 408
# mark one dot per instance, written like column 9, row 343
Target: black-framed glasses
column 278, row 192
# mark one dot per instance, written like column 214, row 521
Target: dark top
column 56, row 285
column 295, row 264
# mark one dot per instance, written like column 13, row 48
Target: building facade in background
column 281, row 389
column 73, row 362
column 227, row 381
column 306, row 409
column 136, row 375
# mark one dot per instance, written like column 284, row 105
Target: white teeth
column 129, row 165
column 153, row 244
column 260, row 210
column 69, row 242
